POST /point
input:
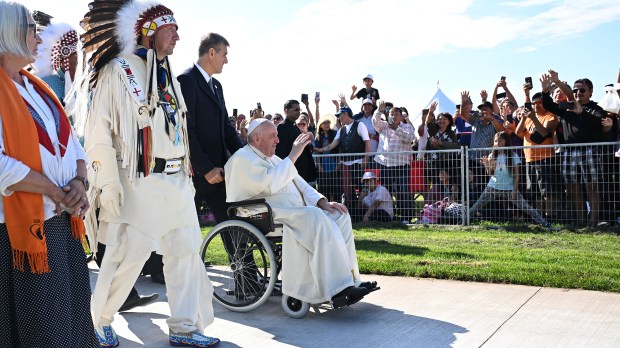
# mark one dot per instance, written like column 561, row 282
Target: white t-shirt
column 382, row 195
column 502, row 178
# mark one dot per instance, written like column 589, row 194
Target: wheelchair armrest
column 248, row 202
column 264, row 223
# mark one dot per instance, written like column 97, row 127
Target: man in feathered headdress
column 136, row 140
column 58, row 58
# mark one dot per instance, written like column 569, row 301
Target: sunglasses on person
column 277, row 118
column 537, row 102
column 579, row 90
column 302, row 124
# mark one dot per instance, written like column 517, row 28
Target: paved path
column 406, row 312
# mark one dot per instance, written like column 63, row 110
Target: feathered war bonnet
column 59, row 42
column 114, row 29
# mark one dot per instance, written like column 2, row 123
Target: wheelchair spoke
column 239, row 267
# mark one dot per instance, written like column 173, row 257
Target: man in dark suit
column 212, row 138
column 287, row 133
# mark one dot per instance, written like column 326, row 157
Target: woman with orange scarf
column 44, row 283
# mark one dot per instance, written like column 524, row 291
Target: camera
column 258, row 106
column 235, row 112
column 529, row 80
column 304, row 98
column 317, row 95
column 390, row 120
column 528, row 106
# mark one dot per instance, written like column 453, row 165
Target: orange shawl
column 23, row 211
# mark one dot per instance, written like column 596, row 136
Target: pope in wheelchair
column 318, row 249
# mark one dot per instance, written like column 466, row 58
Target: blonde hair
column 14, row 29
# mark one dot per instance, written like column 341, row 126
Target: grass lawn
column 564, row 259
column 516, row 255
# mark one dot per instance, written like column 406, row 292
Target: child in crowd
column 376, row 200
column 503, row 166
column 442, row 188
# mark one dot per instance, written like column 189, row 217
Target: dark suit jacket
column 287, row 133
column 212, row 138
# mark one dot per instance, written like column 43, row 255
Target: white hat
column 255, row 123
column 327, row 117
column 367, row 101
column 369, row 76
column 369, row 175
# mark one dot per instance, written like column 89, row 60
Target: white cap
column 255, row 123
column 369, row 76
column 369, row 175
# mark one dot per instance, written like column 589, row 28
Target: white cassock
column 318, row 250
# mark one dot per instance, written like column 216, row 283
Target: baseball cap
column 369, row 76
column 369, row 175
column 344, row 109
column 367, row 101
column 487, row 104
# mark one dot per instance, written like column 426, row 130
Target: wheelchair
column 243, row 258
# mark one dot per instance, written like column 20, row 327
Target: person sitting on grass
column 376, row 200
column 443, row 187
column 503, row 166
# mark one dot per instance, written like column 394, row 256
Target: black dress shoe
column 158, row 278
column 138, row 301
column 351, row 294
column 368, row 285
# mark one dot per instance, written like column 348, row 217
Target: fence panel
column 570, row 185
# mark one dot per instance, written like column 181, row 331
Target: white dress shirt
column 60, row 170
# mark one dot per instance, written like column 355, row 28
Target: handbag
column 431, row 213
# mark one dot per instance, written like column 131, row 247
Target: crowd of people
column 154, row 149
column 560, row 174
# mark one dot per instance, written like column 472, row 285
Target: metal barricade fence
column 574, row 185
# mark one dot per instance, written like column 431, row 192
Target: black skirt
column 51, row 309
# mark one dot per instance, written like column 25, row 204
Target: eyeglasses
column 33, row 26
column 579, row 90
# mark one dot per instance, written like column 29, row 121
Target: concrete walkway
column 406, row 312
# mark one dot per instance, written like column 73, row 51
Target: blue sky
column 280, row 49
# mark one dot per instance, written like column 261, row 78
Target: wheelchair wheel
column 241, row 265
column 295, row 308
